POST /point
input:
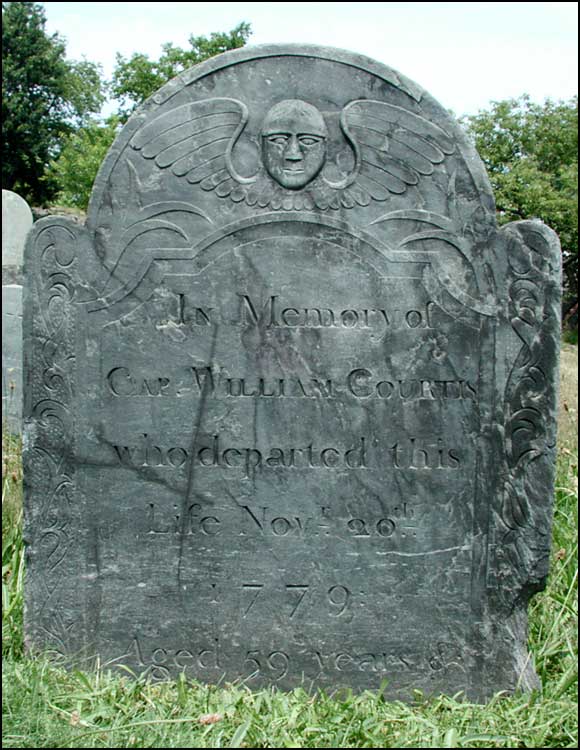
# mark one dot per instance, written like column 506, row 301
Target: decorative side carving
column 49, row 435
column 392, row 149
column 524, row 520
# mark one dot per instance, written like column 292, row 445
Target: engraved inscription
column 266, row 522
column 300, row 591
column 362, row 384
column 299, row 599
column 411, row 453
column 160, row 662
column 275, row 523
column 419, row 454
column 439, row 656
column 215, row 382
column 278, row 313
column 252, row 590
column 197, row 522
column 276, row 663
column 216, row 455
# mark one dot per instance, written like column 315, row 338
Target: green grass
column 45, row 705
column 570, row 336
column 12, row 548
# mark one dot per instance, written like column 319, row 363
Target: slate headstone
column 291, row 392
column 16, row 223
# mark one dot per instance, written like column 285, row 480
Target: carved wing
column 394, row 148
column 196, row 141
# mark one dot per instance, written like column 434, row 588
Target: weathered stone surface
column 290, row 405
column 16, row 223
column 12, row 358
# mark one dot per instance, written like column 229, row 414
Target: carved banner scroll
column 291, row 392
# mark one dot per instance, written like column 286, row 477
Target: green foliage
column 136, row 78
column 12, row 547
column 554, row 613
column 570, row 337
column 531, row 154
column 44, row 97
column 72, row 171
column 80, row 158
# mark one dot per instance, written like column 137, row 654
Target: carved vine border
column 49, row 435
column 524, row 523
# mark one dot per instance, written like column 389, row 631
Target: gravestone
column 16, row 223
column 291, row 392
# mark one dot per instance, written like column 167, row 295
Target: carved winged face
column 394, row 150
column 293, row 143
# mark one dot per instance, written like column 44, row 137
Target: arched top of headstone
column 16, row 223
column 381, row 155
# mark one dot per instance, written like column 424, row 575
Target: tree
column 79, row 160
column 136, row 78
column 44, row 97
column 82, row 151
column 531, row 154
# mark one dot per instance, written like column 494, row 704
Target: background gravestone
column 290, row 414
column 16, row 223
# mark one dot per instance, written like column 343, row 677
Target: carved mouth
column 293, row 171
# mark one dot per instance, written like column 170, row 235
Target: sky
column 465, row 54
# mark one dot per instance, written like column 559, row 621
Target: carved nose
column 293, row 152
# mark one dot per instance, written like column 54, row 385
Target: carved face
column 293, row 143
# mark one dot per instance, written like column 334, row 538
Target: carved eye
column 309, row 140
column 279, row 140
